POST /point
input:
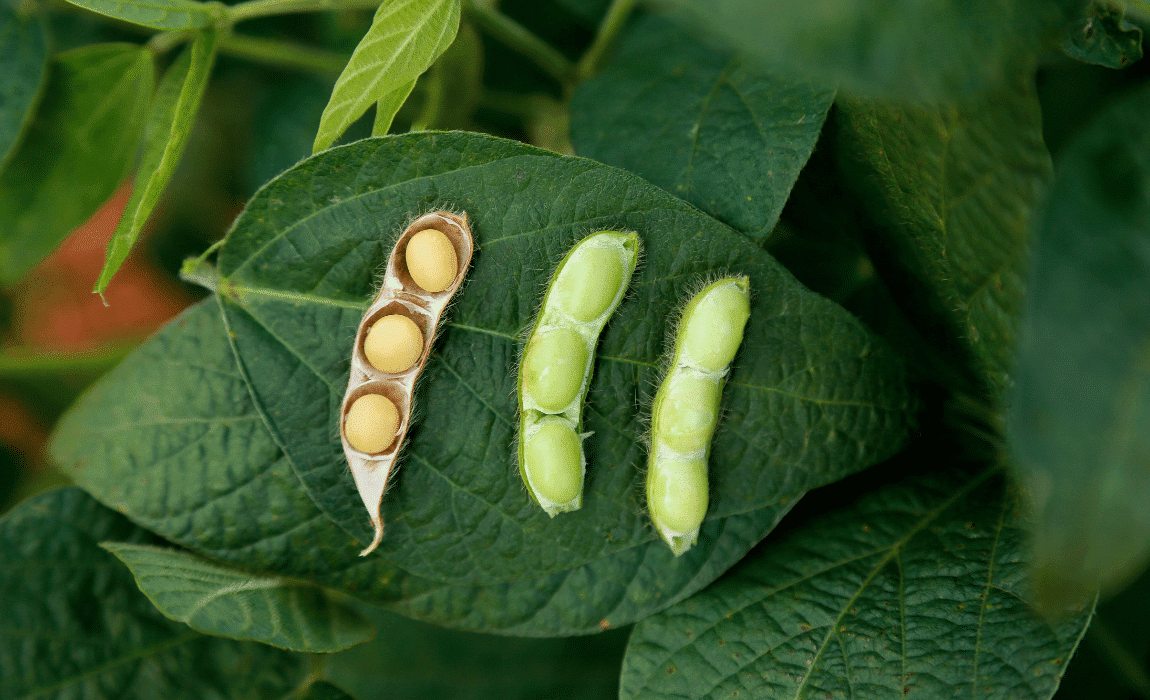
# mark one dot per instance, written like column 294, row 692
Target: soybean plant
column 557, row 364
column 686, row 409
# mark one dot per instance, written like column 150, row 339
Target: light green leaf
column 706, row 125
column 405, row 38
column 953, row 192
column 173, row 112
column 23, row 70
column 932, row 49
column 76, row 626
column 1080, row 414
column 1103, row 36
column 158, row 14
column 76, row 151
column 916, row 590
column 227, row 602
column 812, row 397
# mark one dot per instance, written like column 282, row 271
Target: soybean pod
column 557, row 364
column 686, row 409
column 392, row 345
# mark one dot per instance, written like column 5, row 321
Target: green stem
column 166, row 41
column 19, row 362
column 287, row 54
column 516, row 36
column 430, row 112
column 263, row 8
column 609, row 28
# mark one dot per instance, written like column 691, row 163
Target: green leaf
column 158, row 14
column 1103, row 36
column 75, row 625
column 891, row 48
column 76, row 151
column 405, row 38
column 173, row 113
column 23, row 70
column 916, row 590
column 1080, row 413
column 183, row 462
column 953, row 191
column 812, row 397
column 415, row 661
column 228, row 602
column 706, row 125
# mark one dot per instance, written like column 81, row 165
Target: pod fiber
column 556, row 368
column 376, row 410
column 686, row 409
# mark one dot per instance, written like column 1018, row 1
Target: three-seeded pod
column 555, row 370
column 686, row 409
column 392, row 345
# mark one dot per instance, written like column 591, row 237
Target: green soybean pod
column 686, row 409
column 557, row 362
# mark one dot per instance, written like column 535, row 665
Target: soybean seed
column 554, row 367
column 589, row 282
column 552, row 462
column 371, row 423
column 394, row 344
column 431, row 260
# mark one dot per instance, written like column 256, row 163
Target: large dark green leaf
column 157, row 14
column 76, row 151
column 933, row 49
column 704, row 124
column 23, row 68
column 197, row 465
column 1080, row 415
column 953, row 191
column 812, row 397
column 916, row 591
column 75, row 625
column 228, row 602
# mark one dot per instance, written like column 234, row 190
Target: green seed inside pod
column 431, row 260
column 394, row 344
column 687, row 413
column 677, row 494
column 371, row 423
column 552, row 456
column 554, row 367
column 713, row 326
column 589, row 282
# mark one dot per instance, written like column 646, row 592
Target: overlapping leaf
column 812, row 397
column 405, row 38
column 225, row 602
column 953, row 190
column 1103, row 36
column 197, row 466
column 896, row 48
column 1080, row 415
column 173, row 112
column 76, row 151
column 704, row 124
column 917, row 591
column 23, row 70
column 157, row 14
column 75, row 625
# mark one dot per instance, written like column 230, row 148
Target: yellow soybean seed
column 552, row 458
column 371, row 423
column 558, row 360
column 393, row 344
column 554, row 367
column 431, row 260
column 686, row 409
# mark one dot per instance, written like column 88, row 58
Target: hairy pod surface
column 557, row 363
column 686, row 409
column 392, row 345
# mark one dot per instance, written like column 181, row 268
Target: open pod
column 402, row 305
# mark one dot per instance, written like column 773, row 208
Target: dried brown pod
column 399, row 295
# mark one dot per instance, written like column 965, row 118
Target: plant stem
column 609, row 28
column 516, row 36
column 288, row 54
column 262, row 8
column 166, row 41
